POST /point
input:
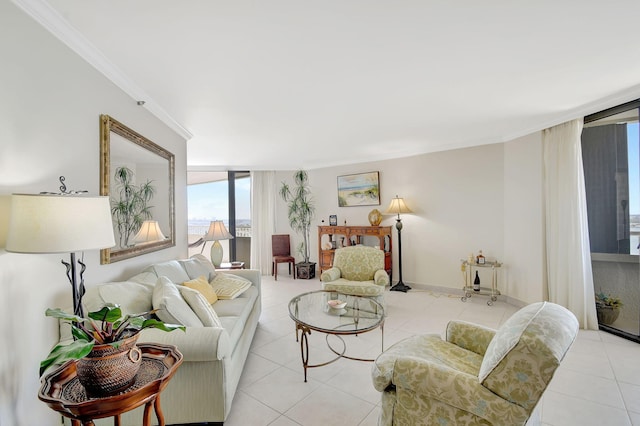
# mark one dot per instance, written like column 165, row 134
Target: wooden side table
column 61, row 390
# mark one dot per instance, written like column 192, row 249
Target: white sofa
column 202, row 389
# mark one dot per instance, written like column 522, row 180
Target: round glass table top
column 314, row 311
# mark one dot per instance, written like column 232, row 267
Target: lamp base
column 216, row 253
column 400, row 287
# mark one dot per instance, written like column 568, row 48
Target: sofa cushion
column 132, row 297
column 171, row 269
column 356, row 288
column 228, row 286
column 202, row 285
column 172, row 308
column 198, row 265
column 200, row 306
column 234, row 313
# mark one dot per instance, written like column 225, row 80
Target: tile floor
column 597, row 384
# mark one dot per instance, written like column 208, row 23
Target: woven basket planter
column 108, row 370
column 607, row 315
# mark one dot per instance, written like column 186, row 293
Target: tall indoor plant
column 132, row 207
column 301, row 210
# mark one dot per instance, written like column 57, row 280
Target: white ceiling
column 289, row 84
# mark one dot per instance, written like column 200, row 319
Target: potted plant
column 300, row 212
column 104, row 345
column 607, row 308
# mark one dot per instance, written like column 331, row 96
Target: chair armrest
column 381, row 278
column 195, row 344
column 331, row 274
column 472, row 337
column 461, row 390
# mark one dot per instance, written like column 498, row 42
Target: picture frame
column 333, row 220
column 360, row 189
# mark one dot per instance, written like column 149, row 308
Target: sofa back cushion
column 171, row 269
column 525, row 352
column 358, row 263
column 197, row 266
column 132, row 297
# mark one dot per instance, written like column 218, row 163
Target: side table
column 231, row 265
column 61, row 390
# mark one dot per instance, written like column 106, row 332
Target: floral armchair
column 477, row 376
column 357, row 270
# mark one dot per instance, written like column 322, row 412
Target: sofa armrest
column 195, row 344
column 472, row 337
column 331, row 274
column 381, row 278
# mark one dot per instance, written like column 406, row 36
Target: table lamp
column 217, row 231
column 149, row 232
column 61, row 223
column 398, row 206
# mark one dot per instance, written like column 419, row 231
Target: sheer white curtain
column 568, row 254
column 263, row 209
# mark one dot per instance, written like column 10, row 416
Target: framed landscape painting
column 362, row 189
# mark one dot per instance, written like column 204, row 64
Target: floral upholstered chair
column 477, row 376
column 357, row 270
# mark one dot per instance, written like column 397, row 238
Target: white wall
column 50, row 103
column 483, row 198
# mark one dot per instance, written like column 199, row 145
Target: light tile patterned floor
column 597, row 384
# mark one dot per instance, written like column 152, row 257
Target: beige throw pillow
column 228, row 286
column 202, row 285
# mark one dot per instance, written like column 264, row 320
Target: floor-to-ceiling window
column 611, row 159
column 224, row 196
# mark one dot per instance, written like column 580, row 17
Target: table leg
column 304, row 347
column 146, row 420
column 159, row 414
column 116, row 420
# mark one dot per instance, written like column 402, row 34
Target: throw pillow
column 200, row 306
column 171, row 306
column 202, row 285
column 228, row 286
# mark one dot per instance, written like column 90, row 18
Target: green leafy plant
column 301, row 208
column 603, row 300
column 131, row 208
column 106, row 326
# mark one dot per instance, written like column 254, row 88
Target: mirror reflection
column 138, row 177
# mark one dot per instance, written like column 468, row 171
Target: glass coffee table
column 311, row 311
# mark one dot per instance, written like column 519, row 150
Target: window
column 611, row 159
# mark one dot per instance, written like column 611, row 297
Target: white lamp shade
column 217, row 231
column 59, row 224
column 398, row 206
column 149, row 232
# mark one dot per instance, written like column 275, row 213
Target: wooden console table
column 342, row 236
column 61, row 390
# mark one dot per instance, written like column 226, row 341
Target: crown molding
column 50, row 19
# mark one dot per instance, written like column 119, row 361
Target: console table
column 61, row 390
column 342, row 236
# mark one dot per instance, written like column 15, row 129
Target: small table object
column 61, row 390
column 231, row 265
column 311, row 311
column 467, row 270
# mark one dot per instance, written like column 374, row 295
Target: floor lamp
column 61, row 224
column 398, row 206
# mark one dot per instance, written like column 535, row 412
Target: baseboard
column 459, row 293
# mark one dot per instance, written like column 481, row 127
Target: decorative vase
column 110, row 369
column 607, row 314
column 306, row 271
column 375, row 217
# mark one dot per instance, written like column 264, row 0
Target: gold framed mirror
column 138, row 176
